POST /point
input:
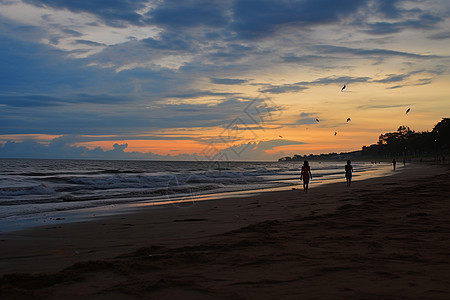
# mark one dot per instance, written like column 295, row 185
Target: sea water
column 33, row 191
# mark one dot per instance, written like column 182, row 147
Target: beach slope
column 382, row 238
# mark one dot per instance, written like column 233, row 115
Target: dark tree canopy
column 406, row 142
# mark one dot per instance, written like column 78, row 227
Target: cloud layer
column 129, row 68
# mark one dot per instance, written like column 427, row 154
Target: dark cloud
column 440, row 35
column 292, row 58
column 425, row 21
column 393, row 78
column 248, row 19
column 83, row 117
column 29, row 100
column 225, row 54
column 18, row 31
column 381, row 28
column 388, row 8
column 396, row 78
column 370, row 52
column 199, row 94
column 46, row 100
column 303, row 85
column 113, row 12
column 184, row 14
column 89, row 43
column 228, row 81
column 285, row 88
column 72, row 32
column 170, row 41
column 34, row 69
column 98, row 98
column 339, row 80
column 261, row 18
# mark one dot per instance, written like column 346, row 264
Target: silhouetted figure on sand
column 348, row 172
column 305, row 175
column 394, row 163
column 404, row 162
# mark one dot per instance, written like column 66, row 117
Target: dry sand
column 383, row 238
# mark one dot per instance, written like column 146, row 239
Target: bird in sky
column 335, row 132
column 343, row 88
column 348, row 120
column 317, row 120
column 280, row 136
column 407, row 111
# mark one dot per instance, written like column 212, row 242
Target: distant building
column 287, row 158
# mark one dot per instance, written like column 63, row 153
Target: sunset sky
column 244, row 80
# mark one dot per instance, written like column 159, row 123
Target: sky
column 217, row 80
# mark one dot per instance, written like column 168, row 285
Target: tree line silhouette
column 408, row 143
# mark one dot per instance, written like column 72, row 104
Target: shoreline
column 129, row 206
column 314, row 232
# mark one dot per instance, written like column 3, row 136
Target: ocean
column 44, row 191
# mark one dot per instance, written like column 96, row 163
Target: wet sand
column 385, row 238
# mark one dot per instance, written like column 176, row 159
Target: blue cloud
column 113, row 12
column 170, row 41
column 123, row 119
column 198, row 94
column 425, row 21
column 34, row 68
column 188, row 13
column 28, row 101
column 329, row 49
column 72, row 32
column 261, row 18
column 228, row 81
column 388, row 8
column 303, row 85
column 440, row 35
column 285, row 88
column 89, row 43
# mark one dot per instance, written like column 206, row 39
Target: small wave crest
column 39, row 189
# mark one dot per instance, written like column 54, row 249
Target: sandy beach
column 383, row 238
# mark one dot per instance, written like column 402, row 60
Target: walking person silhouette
column 305, row 175
column 348, row 172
